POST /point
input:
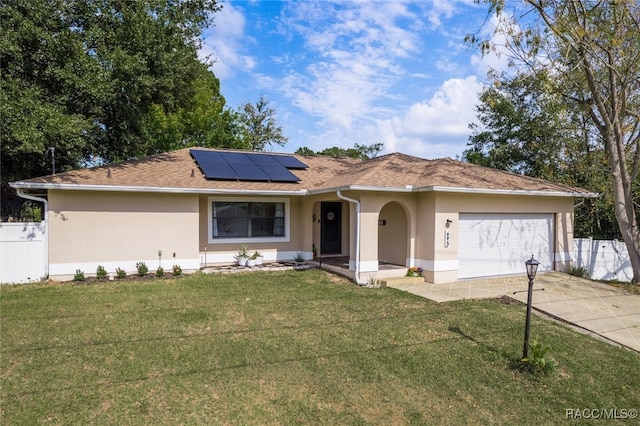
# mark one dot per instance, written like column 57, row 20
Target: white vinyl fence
column 603, row 259
column 22, row 251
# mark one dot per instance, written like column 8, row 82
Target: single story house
column 196, row 206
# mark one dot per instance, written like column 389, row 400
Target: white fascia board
column 408, row 188
column 169, row 190
column 507, row 192
column 411, row 188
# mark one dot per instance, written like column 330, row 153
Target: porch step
column 392, row 281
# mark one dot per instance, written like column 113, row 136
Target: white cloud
column 434, row 128
column 223, row 42
column 356, row 72
column 437, row 127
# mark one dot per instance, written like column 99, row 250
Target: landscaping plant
column 142, row 269
column 78, row 276
column 101, row 273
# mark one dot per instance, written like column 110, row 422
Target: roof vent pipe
column 357, row 203
column 22, row 194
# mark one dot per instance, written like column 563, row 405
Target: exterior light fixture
column 448, row 223
column 532, row 268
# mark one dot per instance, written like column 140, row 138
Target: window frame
column 235, row 240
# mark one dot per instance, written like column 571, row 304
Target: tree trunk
column 625, row 213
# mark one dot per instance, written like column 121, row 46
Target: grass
column 288, row 348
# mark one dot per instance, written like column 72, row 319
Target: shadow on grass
column 503, row 354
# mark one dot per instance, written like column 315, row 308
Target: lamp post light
column 532, row 268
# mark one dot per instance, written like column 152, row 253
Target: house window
column 247, row 219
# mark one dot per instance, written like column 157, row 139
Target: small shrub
column 142, row 269
column 78, row 276
column 121, row 273
column 299, row 257
column 537, row 362
column 373, row 282
column 160, row 272
column 177, row 270
column 101, row 273
column 580, row 272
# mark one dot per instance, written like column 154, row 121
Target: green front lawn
column 288, row 348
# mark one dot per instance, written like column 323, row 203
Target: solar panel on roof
column 280, row 174
column 264, row 160
column 250, row 166
column 212, row 166
column 236, row 157
column 290, row 162
column 250, row 172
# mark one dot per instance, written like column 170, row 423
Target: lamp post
column 532, row 268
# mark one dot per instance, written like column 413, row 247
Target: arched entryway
column 392, row 234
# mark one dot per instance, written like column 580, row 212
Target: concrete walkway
column 596, row 307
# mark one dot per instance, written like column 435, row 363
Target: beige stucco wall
column 423, row 233
column 91, row 228
column 392, row 234
column 119, row 229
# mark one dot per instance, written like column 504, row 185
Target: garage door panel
column 493, row 244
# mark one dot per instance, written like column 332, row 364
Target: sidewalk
column 596, row 307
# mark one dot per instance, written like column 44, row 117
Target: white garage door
column 499, row 244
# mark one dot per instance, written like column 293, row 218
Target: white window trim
column 287, row 220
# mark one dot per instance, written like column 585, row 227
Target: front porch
column 340, row 265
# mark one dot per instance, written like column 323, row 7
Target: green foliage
column 526, row 128
column 243, row 251
column 358, row 151
column 537, row 362
column 121, row 273
column 299, row 257
column 142, row 269
column 590, row 50
column 95, row 79
column 259, row 127
column 177, row 270
column 578, row 271
column 160, row 272
column 30, row 212
column 78, row 276
column 101, row 273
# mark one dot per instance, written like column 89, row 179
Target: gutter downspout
column 357, row 203
column 22, row 194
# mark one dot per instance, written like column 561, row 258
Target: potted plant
column 251, row 262
column 315, row 251
column 414, row 271
column 258, row 258
column 243, row 255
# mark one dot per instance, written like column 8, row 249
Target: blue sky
column 345, row 72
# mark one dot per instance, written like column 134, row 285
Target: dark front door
column 331, row 228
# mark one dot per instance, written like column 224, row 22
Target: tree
column 358, row 151
column 526, row 128
column 259, row 125
column 89, row 77
column 593, row 46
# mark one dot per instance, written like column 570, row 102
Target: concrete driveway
column 599, row 308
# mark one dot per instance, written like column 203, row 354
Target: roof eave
column 411, row 188
column 300, row 192
column 508, row 192
column 153, row 189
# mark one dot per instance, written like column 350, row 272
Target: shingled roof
column 176, row 171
